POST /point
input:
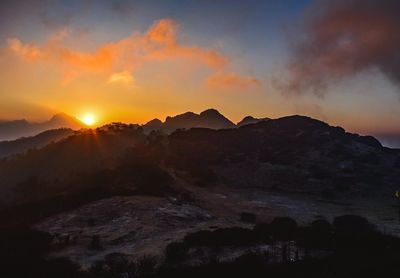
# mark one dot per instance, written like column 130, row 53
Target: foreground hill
column 11, row 130
column 62, row 167
column 118, row 192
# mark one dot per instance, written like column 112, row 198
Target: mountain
column 295, row 154
column 210, row 118
column 11, row 130
column 40, row 140
column 250, row 120
column 391, row 140
column 63, row 120
column 154, row 124
column 117, row 187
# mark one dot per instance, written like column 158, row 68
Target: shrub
column 248, row 217
column 95, row 243
column 262, row 232
column 352, row 224
column 175, row 252
column 283, row 228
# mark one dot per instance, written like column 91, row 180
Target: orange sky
column 120, row 80
column 133, row 67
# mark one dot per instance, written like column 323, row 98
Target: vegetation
column 352, row 246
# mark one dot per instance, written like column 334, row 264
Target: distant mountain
column 11, row 130
column 209, row 118
column 24, row 144
column 154, row 124
column 251, row 120
column 390, row 140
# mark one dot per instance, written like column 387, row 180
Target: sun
column 88, row 119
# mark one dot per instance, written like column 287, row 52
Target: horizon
column 90, row 121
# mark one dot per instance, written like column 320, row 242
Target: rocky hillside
column 292, row 154
column 295, row 154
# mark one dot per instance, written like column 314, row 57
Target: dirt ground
column 137, row 225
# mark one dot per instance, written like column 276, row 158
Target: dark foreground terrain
column 350, row 247
column 286, row 197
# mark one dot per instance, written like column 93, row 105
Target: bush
column 248, row 217
column 283, row 228
column 221, row 237
column 321, row 226
column 262, row 232
column 95, row 243
column 352, row 224
column 200, row 238
column 175, row 252
column 145, row 266
column 318, row 235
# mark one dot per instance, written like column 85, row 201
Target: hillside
column 135, row 192
column 24, row 144
column 294, row 154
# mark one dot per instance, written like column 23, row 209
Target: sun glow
column 88, row 119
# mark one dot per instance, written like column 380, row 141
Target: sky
column 132, row 61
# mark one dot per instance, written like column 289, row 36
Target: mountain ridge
column 14, row 129
column 209, row 118
column 309, row 146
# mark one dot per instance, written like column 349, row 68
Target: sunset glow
column 136, row 66
column 88, row 119
column 224, row 138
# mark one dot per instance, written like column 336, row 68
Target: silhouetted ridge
column 154, row 124
column 251, row 120
column 294, row 153
column 24, row 144
column 11, row 130
column 209, row 118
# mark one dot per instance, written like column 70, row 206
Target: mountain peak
column 153, row 124
column 251, row 120
column 210, row 112
column 64, row 120
column 60, row 116
column 210, row 118
column 21, row 128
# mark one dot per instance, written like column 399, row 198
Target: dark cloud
column 341, row 39
column 123, row 8
column 52, row 14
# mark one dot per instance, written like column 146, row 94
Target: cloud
column 119, row 60
column 122, row 77
column 27, row 51
column 53, row 51
column 162, row 43
column 342, row 39
column 229, row 80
